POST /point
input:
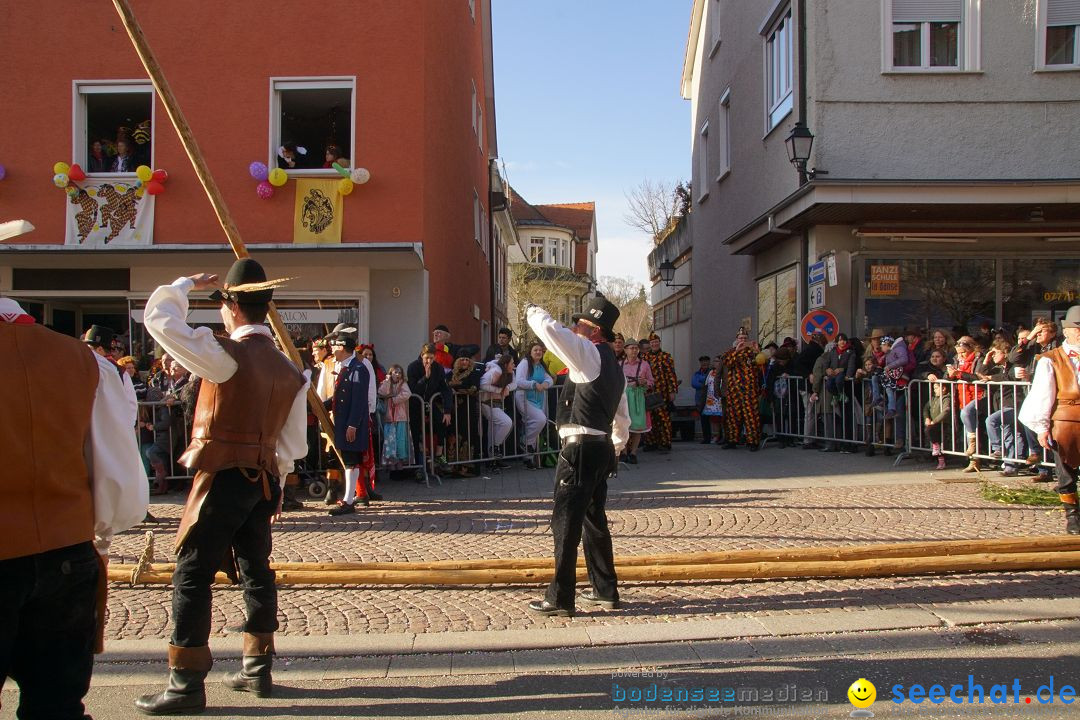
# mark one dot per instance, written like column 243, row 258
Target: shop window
column 1059, row 22
column 955, row 294
column 778, row 70
column 777, row 306
column 1038, row 288
column 113, row 126
column 313, row 123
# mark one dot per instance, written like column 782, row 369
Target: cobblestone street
column 694, row 499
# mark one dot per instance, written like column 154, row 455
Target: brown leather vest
column 1065, row 416
column 48, row 399
column 1067, row 398
column 237, row 422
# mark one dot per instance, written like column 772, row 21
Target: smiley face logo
column 862, row 693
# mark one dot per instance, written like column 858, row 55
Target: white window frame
column 472, row 10
column 476, row 216
column 484, row 231
column 968, row 54
column 475, row 108
column 1042, row 13
column 480, row 126
column 703, row 162
column 724, row 132
column 779, row 68
column 537, row 243
column 714, row 26
column 551, row 251
column 81, row 88
column 330, row 82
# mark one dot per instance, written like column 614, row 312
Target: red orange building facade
column 401, row 88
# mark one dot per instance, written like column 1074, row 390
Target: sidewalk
column 695, row 498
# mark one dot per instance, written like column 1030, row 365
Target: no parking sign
column 821, row 321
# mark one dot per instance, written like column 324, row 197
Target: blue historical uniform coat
column 350, row 405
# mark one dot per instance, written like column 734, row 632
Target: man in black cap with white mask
column 594, row 426
column 250, row 426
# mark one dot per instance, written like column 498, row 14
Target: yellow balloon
column 144, row 173
column 345, row 186
column 278, row 177
column 61, row 167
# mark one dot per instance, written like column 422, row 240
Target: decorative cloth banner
column 108, row 212
column 318, row 212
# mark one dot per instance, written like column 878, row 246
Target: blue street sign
column 817, row 273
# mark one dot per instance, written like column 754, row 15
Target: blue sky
column 587, row 105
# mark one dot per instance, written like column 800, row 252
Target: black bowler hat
column 599, row 312
column 246, row 283
column 98, row 336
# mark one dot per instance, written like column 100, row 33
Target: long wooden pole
column 528, row 567
column 874, row 567
column 191, row 147
column 932, row 548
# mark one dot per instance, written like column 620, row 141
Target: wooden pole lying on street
column 1061, row 552
column 191, row 147
column 877, row 567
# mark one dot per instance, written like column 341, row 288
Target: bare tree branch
column 635, row 312
column 652, row 207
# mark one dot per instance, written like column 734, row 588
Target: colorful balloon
column 264, row 190
column 342, row 171
column 278, row 177
column 60, row 180
column 140, row 191
column 71, row 190
column 345, row 186
column 360, row 176
column 160, row 175
column 154, row 188
column 60, row 168
column 144, row 173
column 76, row 174
column 3, row 172
column 259, row 171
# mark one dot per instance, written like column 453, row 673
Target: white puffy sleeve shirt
column 199, row 351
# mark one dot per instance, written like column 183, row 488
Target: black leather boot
column 1072, row 518
column 186, row 693
column 254, row 677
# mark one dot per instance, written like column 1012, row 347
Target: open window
column 114, row 126
column 312, row 123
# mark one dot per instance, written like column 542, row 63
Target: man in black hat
column 100, row 340
column 352, row 417
column 594, row 425
column 250, row 427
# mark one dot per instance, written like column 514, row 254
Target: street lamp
column 667, row 272
column 799, row 142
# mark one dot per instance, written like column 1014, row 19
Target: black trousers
column 235, row 515
column 48, row 603
column 706, row 427
column 1066, row 476
column 578, row 517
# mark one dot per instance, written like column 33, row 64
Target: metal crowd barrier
column 468, row 439
column 167, row 433
column 846, row 416
column 999, row 434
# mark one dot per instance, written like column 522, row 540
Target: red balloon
column 159, row 176
column 154, row 187
column 76, row 174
